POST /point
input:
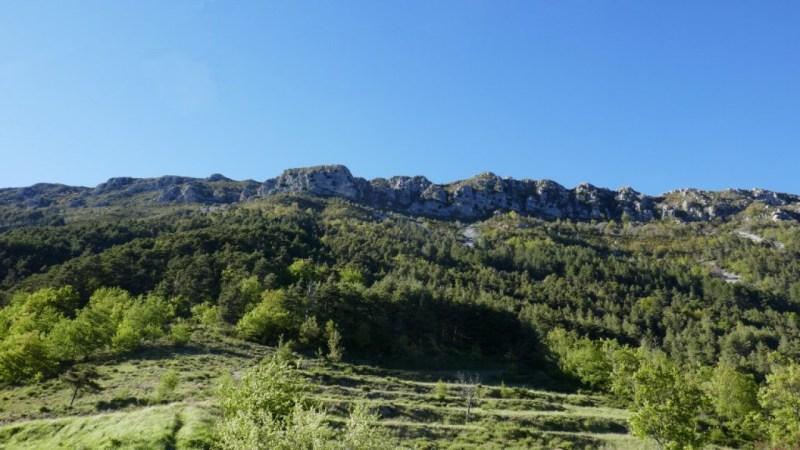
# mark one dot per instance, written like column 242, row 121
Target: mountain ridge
column 472, row 198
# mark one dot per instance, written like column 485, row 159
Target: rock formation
column 474, row 198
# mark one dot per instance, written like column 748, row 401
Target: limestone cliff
column 474, row 198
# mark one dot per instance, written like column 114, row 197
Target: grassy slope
column 125, row 415
column 177, row 425
column 527, row 419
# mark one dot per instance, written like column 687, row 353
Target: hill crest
column 473, row 198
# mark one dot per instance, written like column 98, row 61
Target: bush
column 335, row 348
column 265, row 410
column 505, row 392
column 283, row 351
column 309, row 331
column 440, row 390
column 166, row 387
column 180, row 333
column 206, row 314
column 360, row 431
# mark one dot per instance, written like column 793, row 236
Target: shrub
column 265, row 410
column 309, row 331
column 335, row 348
column 505, row 392
column 180, row 333
column 206, row 314
column 166, row 387
column 440, row 390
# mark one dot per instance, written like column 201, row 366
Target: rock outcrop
column 477, row 197
column 322, row 180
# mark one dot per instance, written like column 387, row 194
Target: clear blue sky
column 654, row 94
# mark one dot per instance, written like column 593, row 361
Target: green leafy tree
column 624, row 363
column 666, row 407
column 41, row 310
column 302, row 429
column 303, row 270
column 94, row 326
column 284, row 351
column 780, row 398
column 64, row 300
column 734, row 396
column 237, row 297
column 25, row 358
column 352, row 275
column 206, row 314
column 588, row 362
column 83, row 378
column 581, row 358
column 268, row 320
column 273, row 386
column 71, row 340
column 145, row 320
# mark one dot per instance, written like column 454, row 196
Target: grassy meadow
column 419, row 409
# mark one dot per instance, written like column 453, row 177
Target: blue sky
column 657, row 95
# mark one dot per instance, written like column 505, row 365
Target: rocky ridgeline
column 474, row 198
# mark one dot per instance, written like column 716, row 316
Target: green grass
column 528, row 418
column 131, row 382
column 157, row 427
column 126, row 413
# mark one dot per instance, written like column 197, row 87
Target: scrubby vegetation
column 633, row 326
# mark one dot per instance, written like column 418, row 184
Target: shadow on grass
column 120, row 403
column 206, row 346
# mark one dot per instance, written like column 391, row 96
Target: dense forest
column 693, row 327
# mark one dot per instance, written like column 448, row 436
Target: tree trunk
column 74, row 394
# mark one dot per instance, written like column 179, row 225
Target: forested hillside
column 693, row 326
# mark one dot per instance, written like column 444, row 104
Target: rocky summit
column 474, row 198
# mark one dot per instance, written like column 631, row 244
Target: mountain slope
column 607, row 306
